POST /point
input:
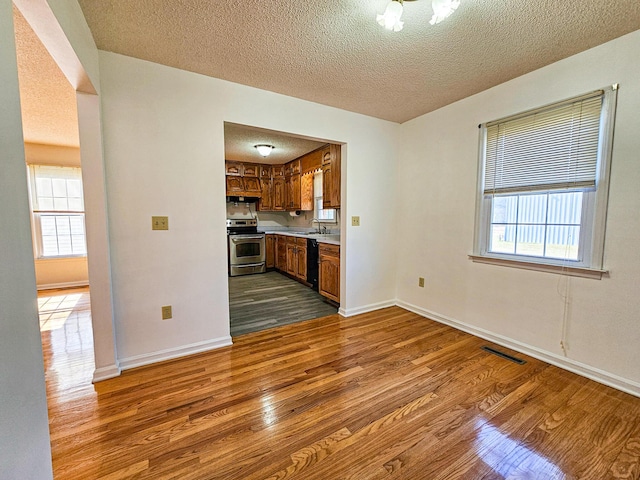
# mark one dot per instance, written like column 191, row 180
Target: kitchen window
column 543, row 186
column 58, row 211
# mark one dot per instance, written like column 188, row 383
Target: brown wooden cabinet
column 270, row 241
column 331, row 164
column 293, row 192
column 278, row 194
column 306, row 192
column 251, row 170
column 265, row 171
column 235, row 185
column 295, row 257
column 329, row 271
column 266, row 199
column 234, row 168
column 252, row 187
column 281, row 252
column 301, row 260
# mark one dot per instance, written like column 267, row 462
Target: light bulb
column 390, row 19
column 442, row 9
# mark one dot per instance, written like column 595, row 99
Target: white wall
column 25, row 452
column 164, row 154
column 437, row 195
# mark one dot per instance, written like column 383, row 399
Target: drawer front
column 329, row 250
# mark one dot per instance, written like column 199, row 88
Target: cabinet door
column 301, row 272
column 326, row 186
column 295, row 192
column 251, row 170
column 335, row 175
column 265, row 171
column 292, row 259
column 277, row 171
column 271, row 253
column 233, row 168
column 235, row 186
column 252, row 187
column 281, row 257
column 278, row 190
column 326, row 155
column 329, row 271
column 265, row 204
column 306, row 192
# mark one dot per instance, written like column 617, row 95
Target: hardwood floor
column 267, row 300
column 383, row 395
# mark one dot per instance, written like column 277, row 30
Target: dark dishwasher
column 312, row 263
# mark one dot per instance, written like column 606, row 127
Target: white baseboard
column 579, row 368
column 366, row 308
column 105, row 373
column 171, row 353
column 51, row 286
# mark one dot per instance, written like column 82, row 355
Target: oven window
column 248, row 249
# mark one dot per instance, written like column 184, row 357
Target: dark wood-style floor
column 384, row 395
column 268, row 300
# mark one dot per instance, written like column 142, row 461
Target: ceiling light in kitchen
column 390, row 19
column 442, row 9
column 264, row 149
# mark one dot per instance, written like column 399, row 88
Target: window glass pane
column 565, row 208
column 530, row 240
column 59, row 187
column 505, row 209
column 75, row 204
column 532, row 209
column 78, row 243
column 77, row 225
column 61, row 204
column 74, row 188
column 45, row 203
column 48, row 225
column 49, row 245
column 43, row 187
column 562, row 242
column 62, row 225
column 503, row 239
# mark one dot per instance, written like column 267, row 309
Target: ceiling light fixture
column 264, row 149
column 442, row 9
column 390, row 19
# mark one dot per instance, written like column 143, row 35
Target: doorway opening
column 52, row 151
column 283, row 228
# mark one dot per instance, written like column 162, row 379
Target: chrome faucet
column 316, row 220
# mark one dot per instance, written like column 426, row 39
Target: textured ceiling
column 47, row 99
column 333, row 52
column 240, row 141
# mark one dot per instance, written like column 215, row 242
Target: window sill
column 542, row 267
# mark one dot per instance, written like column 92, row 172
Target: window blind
column 550, row 148
column 57, row 189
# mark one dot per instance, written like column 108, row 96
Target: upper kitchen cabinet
column 234, row 168
column 331, row 164
column 242, row 180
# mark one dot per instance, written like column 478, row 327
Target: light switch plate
column 159, row 223
column 166, row 312
column 355, row 221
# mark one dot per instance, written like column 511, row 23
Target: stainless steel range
column 247, row 252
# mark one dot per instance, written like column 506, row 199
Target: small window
column 326, row 215
column 58, row 211
column 543, row 183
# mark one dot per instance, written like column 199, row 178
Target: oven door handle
column 233, row 239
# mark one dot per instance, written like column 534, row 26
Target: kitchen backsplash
column 277, row 219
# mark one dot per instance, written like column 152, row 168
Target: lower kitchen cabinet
column 281, row 252
column 270, row 241
column 329, row 272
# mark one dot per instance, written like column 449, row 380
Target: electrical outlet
column 159, row 223
column 421, row 282
column 355, row 221
column 166, row 312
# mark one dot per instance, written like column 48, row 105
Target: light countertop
column 330, row 238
